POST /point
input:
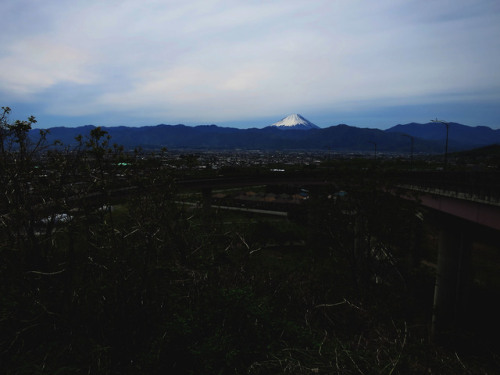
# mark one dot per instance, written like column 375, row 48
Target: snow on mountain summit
column 295, row 121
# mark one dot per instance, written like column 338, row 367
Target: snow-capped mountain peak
column 295, row 121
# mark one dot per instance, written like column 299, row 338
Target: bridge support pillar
column 206, row 194
column 453, row 279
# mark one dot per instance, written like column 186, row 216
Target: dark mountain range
column 428, row 138
column 460, row 137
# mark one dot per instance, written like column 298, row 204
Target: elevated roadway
column 463, row 203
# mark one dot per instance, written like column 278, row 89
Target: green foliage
column 132, row 282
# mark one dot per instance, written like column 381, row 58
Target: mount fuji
column 295, row 121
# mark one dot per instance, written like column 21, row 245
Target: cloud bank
column 222, row 61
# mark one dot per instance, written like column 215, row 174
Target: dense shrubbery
column 147, row 287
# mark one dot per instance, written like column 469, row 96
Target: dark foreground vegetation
column 102, row 271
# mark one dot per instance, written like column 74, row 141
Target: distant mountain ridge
column 459, row 136
column 428, row 138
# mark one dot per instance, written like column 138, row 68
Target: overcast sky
column 250, row 62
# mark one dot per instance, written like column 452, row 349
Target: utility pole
column 375, row 144
column 447, row 124
column 411, row 154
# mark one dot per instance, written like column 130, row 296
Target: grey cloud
column 196, row 59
